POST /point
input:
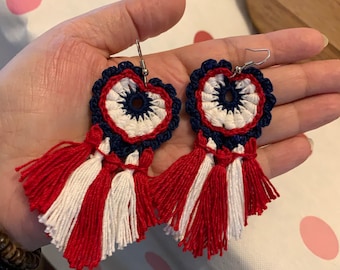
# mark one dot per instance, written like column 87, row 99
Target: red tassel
column 170, row 189
column 198, row 209
column 258, row 190
column 45, row 177
column 84, row 247
column 145, row 214
column 209, row 224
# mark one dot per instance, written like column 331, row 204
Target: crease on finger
column 132, row 20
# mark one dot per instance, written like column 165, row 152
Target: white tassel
column 235, row 196
column 194, row 193
column 61, row 217
column 120, row 218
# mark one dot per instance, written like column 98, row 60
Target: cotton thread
column 203, row 211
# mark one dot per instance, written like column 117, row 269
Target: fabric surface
column 300, row 230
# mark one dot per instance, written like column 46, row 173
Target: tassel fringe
column 170, row 189
column 44, row 178
column 146, row 216
column 257, row 187
column 61, row 216
column 97, row 204
column 236, row 213
column 120, row 222
column 207, row 227
column 210, row 204
column 84, row 247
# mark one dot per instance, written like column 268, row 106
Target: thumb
column 115, row 27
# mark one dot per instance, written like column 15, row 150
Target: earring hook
column 238, row 69
column 145, row 71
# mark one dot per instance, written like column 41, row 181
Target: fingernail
column 325, row 40
column 311, row 142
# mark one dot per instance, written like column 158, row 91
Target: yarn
column 207, row 195
column 94, row 196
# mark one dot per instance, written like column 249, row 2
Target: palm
column 58, row 108
column 44, row 97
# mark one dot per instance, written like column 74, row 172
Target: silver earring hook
column 145, row 71
column 238, row 69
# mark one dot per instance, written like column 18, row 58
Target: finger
column 117, row 26
column 175, row 66
column 295, row 82
column 280, row 157
column 286, row 46
column 301, row 116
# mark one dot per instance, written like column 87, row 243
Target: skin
column 45, row 89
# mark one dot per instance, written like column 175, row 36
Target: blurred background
column 300, row 230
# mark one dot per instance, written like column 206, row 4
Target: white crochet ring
column 229, row 117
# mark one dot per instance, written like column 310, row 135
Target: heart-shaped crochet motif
column 132, row 114
column 229, row 107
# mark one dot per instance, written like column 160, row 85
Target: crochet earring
column 93, row 196
column 206, row 196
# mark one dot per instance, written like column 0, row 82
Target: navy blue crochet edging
column 117, row 144
column 220, row 139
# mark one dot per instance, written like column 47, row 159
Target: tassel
column 218, row 204
column 236, row 212
column 145, row 213
column 60, row 218
column 128, row 209
column 84, row 246
column 44, row 178
column 258, row 190
column 220, row 198
column 209, row 218
column 181, row 180
column 120, row 221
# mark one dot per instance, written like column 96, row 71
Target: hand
column 44, row 93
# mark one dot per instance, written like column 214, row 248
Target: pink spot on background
column 19, row 7
column 202, row 36
column 156, row 261
column 319, row 237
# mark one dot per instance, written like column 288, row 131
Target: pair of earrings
column 95, row 197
